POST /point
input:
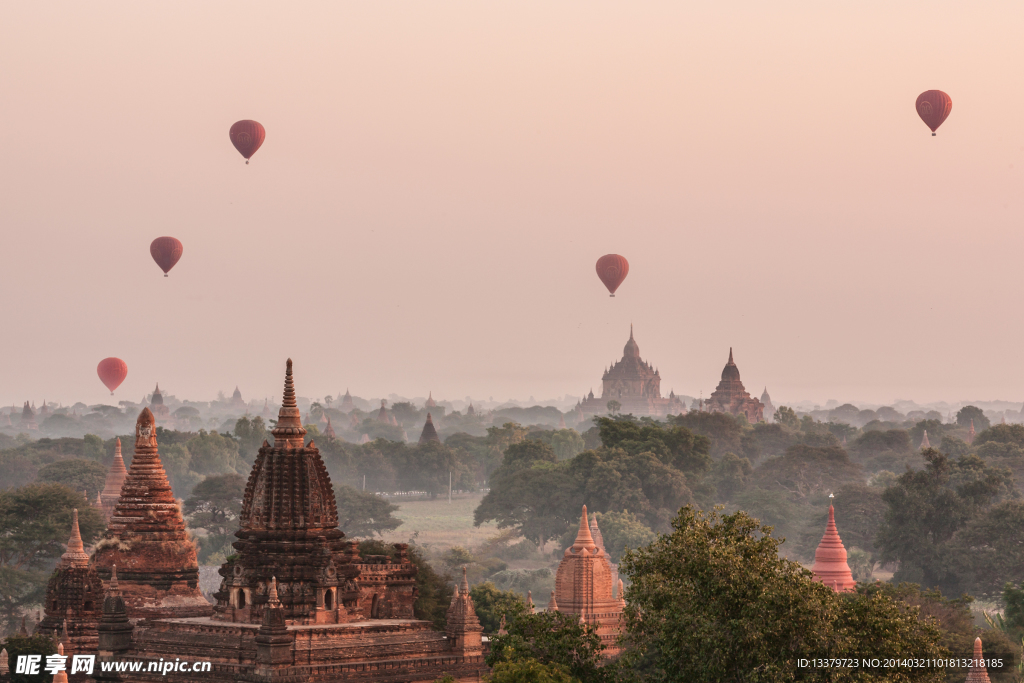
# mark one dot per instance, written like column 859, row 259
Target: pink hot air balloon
column 112, row 372
column 166, row 251
column 612, row 269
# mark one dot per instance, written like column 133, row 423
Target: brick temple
column 830, row 565
column 297, row 603
column 635, row 384
column 731, row 397
column 585, row 585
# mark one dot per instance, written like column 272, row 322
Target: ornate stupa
column 347, row 406
column 977, row 673
column 463, row 626
column 115, row 479
column 769, row 408
column 147, row 540
column 429, row 433
column 28, row 418
column 156, row 405
column 830, row 566
column 731, row 397
column 430, row 403
column 382, row 414
column 632, row 382
column 289, row 530
column 74, row 598
column 236, row 399
column 584, row 586
column 329, row 430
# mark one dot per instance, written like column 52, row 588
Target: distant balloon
column 247, row 136
column 612, row 269
column 166, row 251
column 112, row 372
column 933, row 106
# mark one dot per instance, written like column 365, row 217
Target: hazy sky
column 439, row 178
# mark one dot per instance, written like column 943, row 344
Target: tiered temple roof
column 429, row 433
column 634, row 383
column 830, row 566
column 115, row 479
column 74, row 596
column 584, row 586
column 731, row 397
column 146, row 538
column 156, row 405
column 463, row 627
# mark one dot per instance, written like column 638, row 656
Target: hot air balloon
column 612, row 269
column 165, row 251
column 247, row 136
column 112, row 372
column 933, row 106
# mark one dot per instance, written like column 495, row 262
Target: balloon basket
column 933, row 134
column 246, row 162
column 165, row 275
column 611, row 296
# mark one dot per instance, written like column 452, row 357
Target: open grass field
column 440, row 524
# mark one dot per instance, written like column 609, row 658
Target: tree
column 967, row 414
column 17, row 646
column 787, row 418
column 926, row 508
column 212, row 453
column 614, row 407
column 806, row 472
column 538, row 502
column 492, row 604
column 529, row 671
column 550, row 638
column 723, row 430
column 714, row 601
column 622, row 530
column 427, row 467
column 730, row 475
column 673, row 445
column 35, row 523
column 250, row 434
column 215, row 503
column 362, row 514
column 434, row 589
column 77, row 474
column 990, row 549
column 883, row 450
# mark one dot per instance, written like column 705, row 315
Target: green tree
column 428, row 466
column 17, row 646
column 990, row 549
column 215, row 506
column 492, row 604
column 77, row 474
column 434, row 590
column 622, row 530
column 722, row 429
column 213, row 453
column 362, row 514
column 250, row 434
column 529, row 671
column 806, row 472
column 35, row 523
column 787, row 418
column 674, row 445
column 714, row 601
column 614, row 407
column 967, row 414
column 730, row 475
column 550, row 638
column 926, row 508
column 883, row 450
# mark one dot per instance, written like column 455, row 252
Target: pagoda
column 925, row 443
column 430, row 402
column 830, row 566
column 298, row 603
column 584, row 586
column 429, row 433
column 147, row 540
column 382, row 414
column 769, row 408
column 978, row 673
column 730, row 396
column 289, row 530
column 156, row 405
column 74, row 598
column 28, row 418
column 236, row 399
column 347, row 406
column 115, row 479
column 632, row 382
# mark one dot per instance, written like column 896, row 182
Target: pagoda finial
column 113, row 589
column 289, row 427
column 584, row 539
column 730, row 359
column 62, row 675
column 75, row 555
column 272, row 599
column 465, row 582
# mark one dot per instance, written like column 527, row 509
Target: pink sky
column 439, row 178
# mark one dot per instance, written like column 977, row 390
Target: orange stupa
column 115, row 480
column 978, row 672
column 830, row 565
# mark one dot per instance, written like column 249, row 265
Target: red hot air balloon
column 166, row 251
column 933, row 106
column 247, row 136
column 612, row 269
column 112, row 372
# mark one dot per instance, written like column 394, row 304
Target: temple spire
column 830, row 565
column 552, row 604
column 731, row 361
column 978, row 673
column 429, row 433
column 75, row 555
column 584, row 539
column 272, row 598
column 289, row 430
